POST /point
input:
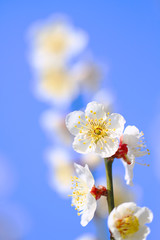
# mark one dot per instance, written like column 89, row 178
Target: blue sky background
column 123, row 34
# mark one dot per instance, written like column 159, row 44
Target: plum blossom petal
column 130, row 135
column 74, row 119
column 85, row 174
column 117, row 123
column 129, row 170
column 145, row 215
column 108, row 149
column 141, row 234
column 81, row 145
column 95, row 110
column 134, row 140
column 89, row 211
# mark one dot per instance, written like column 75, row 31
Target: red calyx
column 122, row 151
column 98, row 192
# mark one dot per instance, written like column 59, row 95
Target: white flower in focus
column 56, row 85
column 54, row 41
column 127, row 221
column 95, row 131
column 60, row 170
column 84, row 202
column 136, row 148
column 54, row 123
column 87, row 237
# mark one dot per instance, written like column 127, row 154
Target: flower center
column 55, row 43
column 55, row 82
column 98, row 131
column 127, row 226
column 95, row 130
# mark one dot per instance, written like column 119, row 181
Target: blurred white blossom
column 54, row 41
column 54, row 123
column 60, row 170
column 91, row 159
column 56, row 85
column 89, row 74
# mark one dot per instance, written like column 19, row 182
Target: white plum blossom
column 136, row 147
column 127, row 221
column 54, row 41
column 95, row 130
column 84, row 202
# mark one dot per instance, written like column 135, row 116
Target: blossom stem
column 110, row 195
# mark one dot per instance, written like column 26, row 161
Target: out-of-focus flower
column 87, row 237
column 56, row 85
column 121, row 195
column 89, row 74
column 54, row 123
column 91, row 159
column 105, row 97
column 131, row 146
column 60, row 170
column 95, row 131
column 127, row 221
column 82, row 198
column 54, row 41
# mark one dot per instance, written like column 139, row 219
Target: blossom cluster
column 103, row 133
column 63, row 70
column 65, row 73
